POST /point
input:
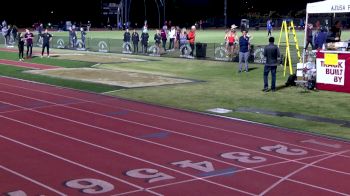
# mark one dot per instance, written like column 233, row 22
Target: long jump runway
column 57, row 141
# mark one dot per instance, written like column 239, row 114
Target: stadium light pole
column 158, row 13
column 163, row 4
column 225, row 12
column 144, row 4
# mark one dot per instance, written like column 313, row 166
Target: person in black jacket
column 271, row 53
column 135, row 40
column 47, row 37
column 157, row 38
column 21, row 40
column 127, row 36
column 144, row 40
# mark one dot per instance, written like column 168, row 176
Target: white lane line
column 73, row 163
column 32, row 180
column 126, row 155
column 301, row 169
column 114, row 132
column 179, row 150
column 132, row 122
column 187, row 122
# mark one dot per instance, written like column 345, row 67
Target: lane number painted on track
column 204, row 166
column 281, row 149
column 243, row 157
column 17, row 193
column 90, row 185
column 313, row 141
column 152, row 175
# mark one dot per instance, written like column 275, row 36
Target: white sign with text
column 330, row 74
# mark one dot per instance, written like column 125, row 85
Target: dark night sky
column 178, row 11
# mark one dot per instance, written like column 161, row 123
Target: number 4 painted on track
column 204, row 166
column 281, row 149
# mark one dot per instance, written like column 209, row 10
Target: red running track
column 58, row 141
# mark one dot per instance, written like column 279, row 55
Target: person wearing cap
column 271, row 53
column 192, row 38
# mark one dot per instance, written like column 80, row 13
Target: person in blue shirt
column 320, row 38
column 269, row 28
column 244, row 46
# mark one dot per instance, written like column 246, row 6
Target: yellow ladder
column 286, row 29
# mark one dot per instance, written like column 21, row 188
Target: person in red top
column 192, row 38
column 231, row 41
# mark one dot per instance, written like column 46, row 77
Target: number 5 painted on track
column 90, row 186
column 281, row 149
column 152, row 174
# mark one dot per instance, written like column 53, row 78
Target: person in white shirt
column 172, row 35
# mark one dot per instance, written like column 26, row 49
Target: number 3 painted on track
column 281, row 149
column 90, row 186
column 243, row 157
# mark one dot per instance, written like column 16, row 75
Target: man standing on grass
column 47, row 37
column 192, row 38
column 29, row 41
column 135, row 40
column 271, row 53
column 244, row 46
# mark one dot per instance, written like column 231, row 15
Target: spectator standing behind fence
column 14, row 31
column 183, row 40
column 163, row 33
column 29, row 41
column 127, row 36
column 40, row 29
column 269, row 28
column 172, row 36
column 88, row 26
column 244, row 46
column 271, row 53
column 4, row 32
column 144, row 40
column 21, row 40
column 83, row 36
column 47, row 37
column 177, row 39
column 157, row 38
column 192, row 38
column 135, row 40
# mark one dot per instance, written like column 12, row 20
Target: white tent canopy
column 328, row 6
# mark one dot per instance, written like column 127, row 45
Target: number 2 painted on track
column 90, row 186
column 243, row 157
column 281, row 149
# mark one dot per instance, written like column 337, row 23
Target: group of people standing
column 26, row 38
column 177, row 38
column 9, row 33
column 73, row 38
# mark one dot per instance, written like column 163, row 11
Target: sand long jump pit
column 125, row 79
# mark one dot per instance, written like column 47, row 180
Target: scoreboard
column 109, row 8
